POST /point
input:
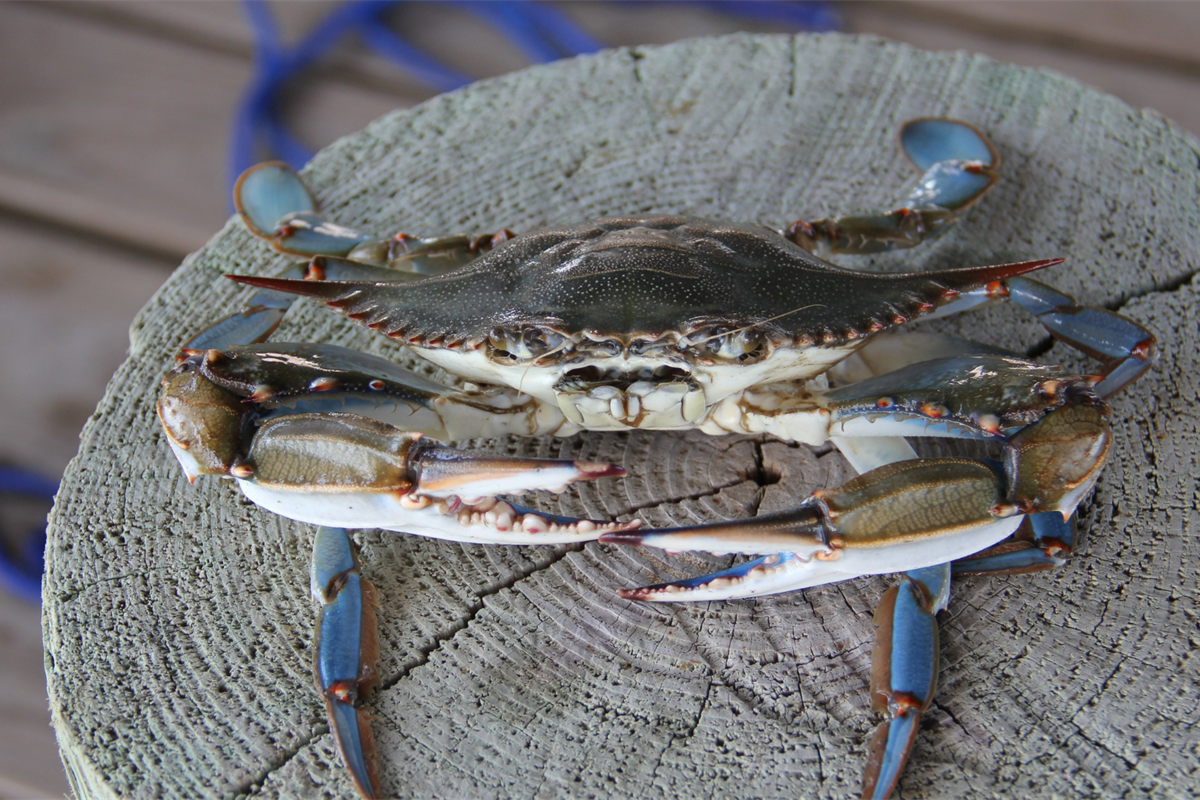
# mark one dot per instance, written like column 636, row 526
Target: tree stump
column 177, row 619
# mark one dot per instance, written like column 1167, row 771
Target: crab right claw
column 908, row 516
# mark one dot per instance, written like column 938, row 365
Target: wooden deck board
column 132, row 131
column 1173, row 93
column 1146, row 32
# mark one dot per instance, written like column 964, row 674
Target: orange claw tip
column 1144, row 349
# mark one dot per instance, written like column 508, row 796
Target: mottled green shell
column 645, row 276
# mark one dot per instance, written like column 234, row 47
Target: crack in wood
column 421, row 657
column 444, row 636
column 75, row 591
column 658, row 503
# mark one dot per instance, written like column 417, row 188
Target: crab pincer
column 898, row 517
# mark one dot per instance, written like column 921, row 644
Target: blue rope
column 816, row 17
column 21, row 572
column 541, row 31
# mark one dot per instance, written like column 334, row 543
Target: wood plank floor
column 113, row 128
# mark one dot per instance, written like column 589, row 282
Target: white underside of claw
column 476, row 483
column 790, row 575
column 191, row 468
column 487, row 521
column 893, row 424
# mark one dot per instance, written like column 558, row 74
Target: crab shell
column 664, row 316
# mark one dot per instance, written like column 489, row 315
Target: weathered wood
column 177, row 621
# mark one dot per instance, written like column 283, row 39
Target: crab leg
column 276, row 379
column 903, row 671
column 277, row 206
column 1048, row 545
column 958, row 164
column 1124, row 347
column 346, row 652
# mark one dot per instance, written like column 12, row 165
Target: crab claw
column 348, row 471
column 444, row 472
column 901, row 516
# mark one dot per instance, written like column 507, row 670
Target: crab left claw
column 345, row 470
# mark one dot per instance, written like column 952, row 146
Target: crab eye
column 525, row 344
column 742, row 345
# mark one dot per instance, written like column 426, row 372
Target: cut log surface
column 177, row 618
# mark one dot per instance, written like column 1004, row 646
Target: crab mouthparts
column 650, row 397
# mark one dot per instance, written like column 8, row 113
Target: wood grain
column 515, row 672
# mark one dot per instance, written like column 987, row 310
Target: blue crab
column 658, row 322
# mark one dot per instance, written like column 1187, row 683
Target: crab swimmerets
column 658, row 322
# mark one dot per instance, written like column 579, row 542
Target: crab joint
column 1052, row 464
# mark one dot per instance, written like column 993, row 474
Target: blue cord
column 816, row 17
column 21, row 573
column 541, row 31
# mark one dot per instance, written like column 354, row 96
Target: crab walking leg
column 1048, row 545
column 1044, row 541
column 347, row 649
column 1124, row 347
column 958, row 164
column 276, row 205
column 254, row 323
column 903, row 671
